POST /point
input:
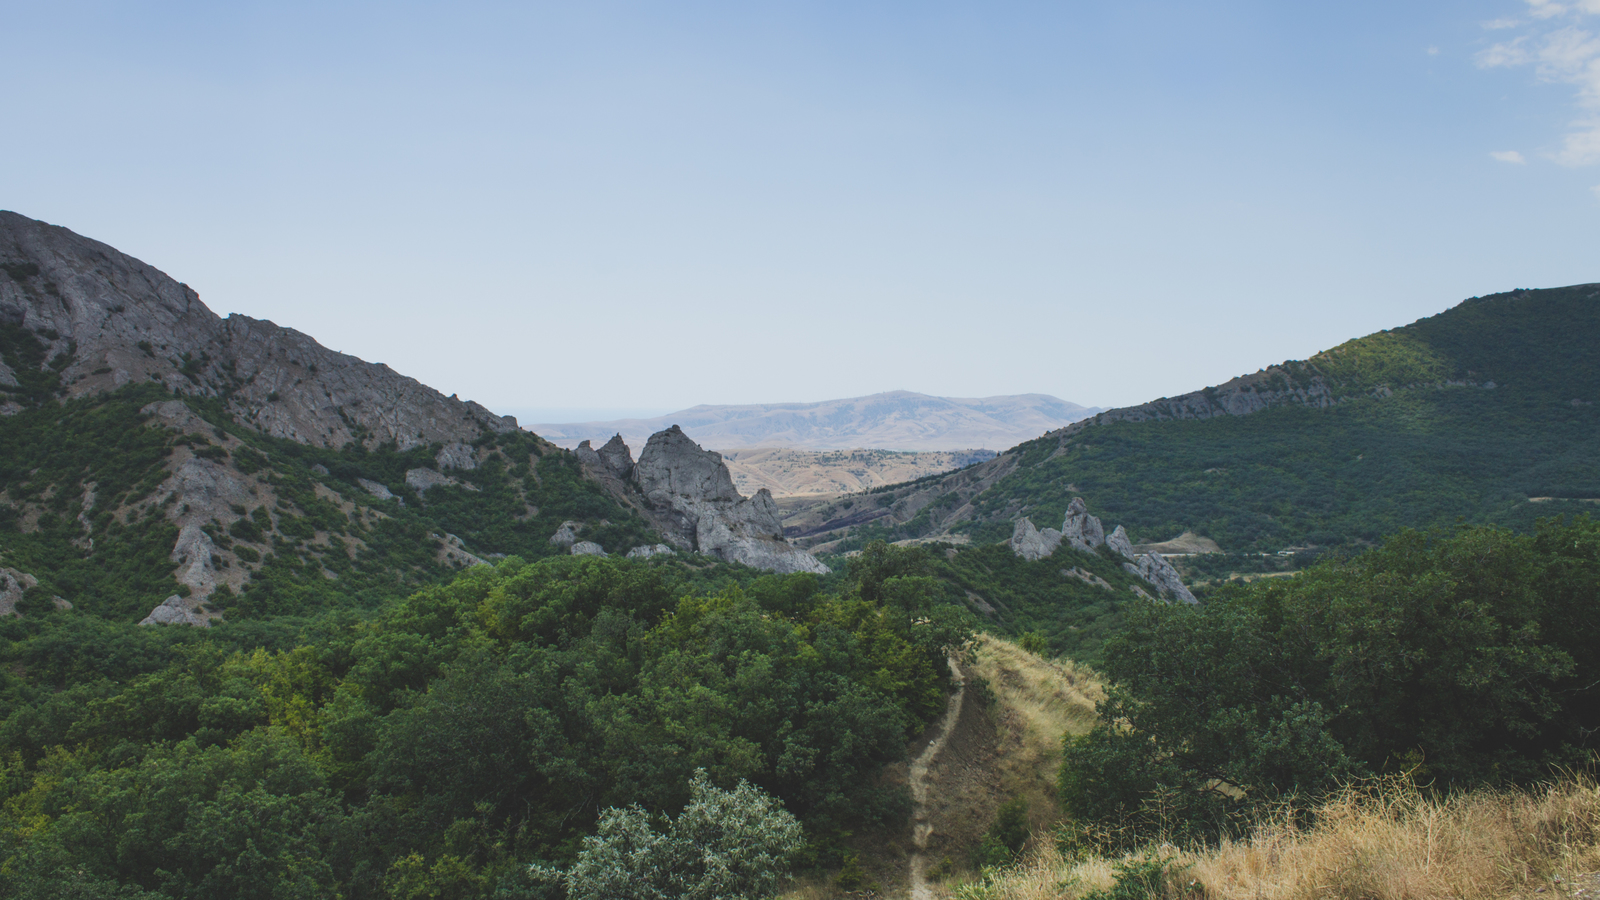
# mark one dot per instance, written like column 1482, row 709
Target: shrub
column 724, row 844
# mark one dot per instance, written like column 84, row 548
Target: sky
column 639, row 207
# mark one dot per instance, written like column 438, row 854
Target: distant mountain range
column 896, row 420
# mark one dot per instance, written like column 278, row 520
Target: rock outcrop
column 1084, row 533
column 1080, row 530
column 566, row 535
column 176, row 611
column 457, row 456
column 616, row 456
column 645, row 551
column 1028, row 542
column 588, row 548
column 376, row 489
column 1154, row 568
column 1119, row 542
column 12, row 586
column 422, row 480
column 692, row 487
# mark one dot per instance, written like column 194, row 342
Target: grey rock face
column 566, row 535
column 1030, row 543
column 1080, row 530
column 617, row 457
column 675, row 475
column 380, row 491
column 457, row 456
column 12, row 585
column 1154, row 568
column 103, row 305
column 174, row 611
column 455, row 552
column 671, row 465
column 1119, row 542
column 193, row 553
column 587, row 548
column 421, row 480
column 645, row 551
column 587, row 455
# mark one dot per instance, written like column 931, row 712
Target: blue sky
column 649, row 206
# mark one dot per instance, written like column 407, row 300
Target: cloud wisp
column 1562, row 51
column 1508, row 156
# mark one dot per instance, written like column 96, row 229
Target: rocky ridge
column 111, row 320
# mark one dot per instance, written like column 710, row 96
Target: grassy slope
column 1383, row 842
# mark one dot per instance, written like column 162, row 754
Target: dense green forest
column 437, row 746
column 1456, row 659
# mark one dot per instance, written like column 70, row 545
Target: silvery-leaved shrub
column 725, row 845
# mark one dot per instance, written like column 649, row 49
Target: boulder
column 175, row 611
column 566, row 535
column 587, row 548
column 1030, row 543
column 1119, row 542
column 645, row 551
column 453, row 550
column 1080, row 530
column 12, row 585
column 1154, row 568
column 421, row 480
column 380, row 491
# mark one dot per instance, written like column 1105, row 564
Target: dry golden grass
column 1388, row 843
column 1037, row 701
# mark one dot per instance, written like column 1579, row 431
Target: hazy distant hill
column 896, row 420
column 1486, row 412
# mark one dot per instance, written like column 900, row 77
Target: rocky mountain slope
column 1468, row 415
column 160, row 462
column 109, row 320
column 896, row 420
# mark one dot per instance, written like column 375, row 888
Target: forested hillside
column 438, row 747
column 1485, row 413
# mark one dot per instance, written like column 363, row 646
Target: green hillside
column 1465, row 416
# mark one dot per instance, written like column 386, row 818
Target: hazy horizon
column 650, row 207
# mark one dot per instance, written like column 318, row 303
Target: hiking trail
column 921, row 826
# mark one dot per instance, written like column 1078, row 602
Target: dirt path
column 921, row 828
